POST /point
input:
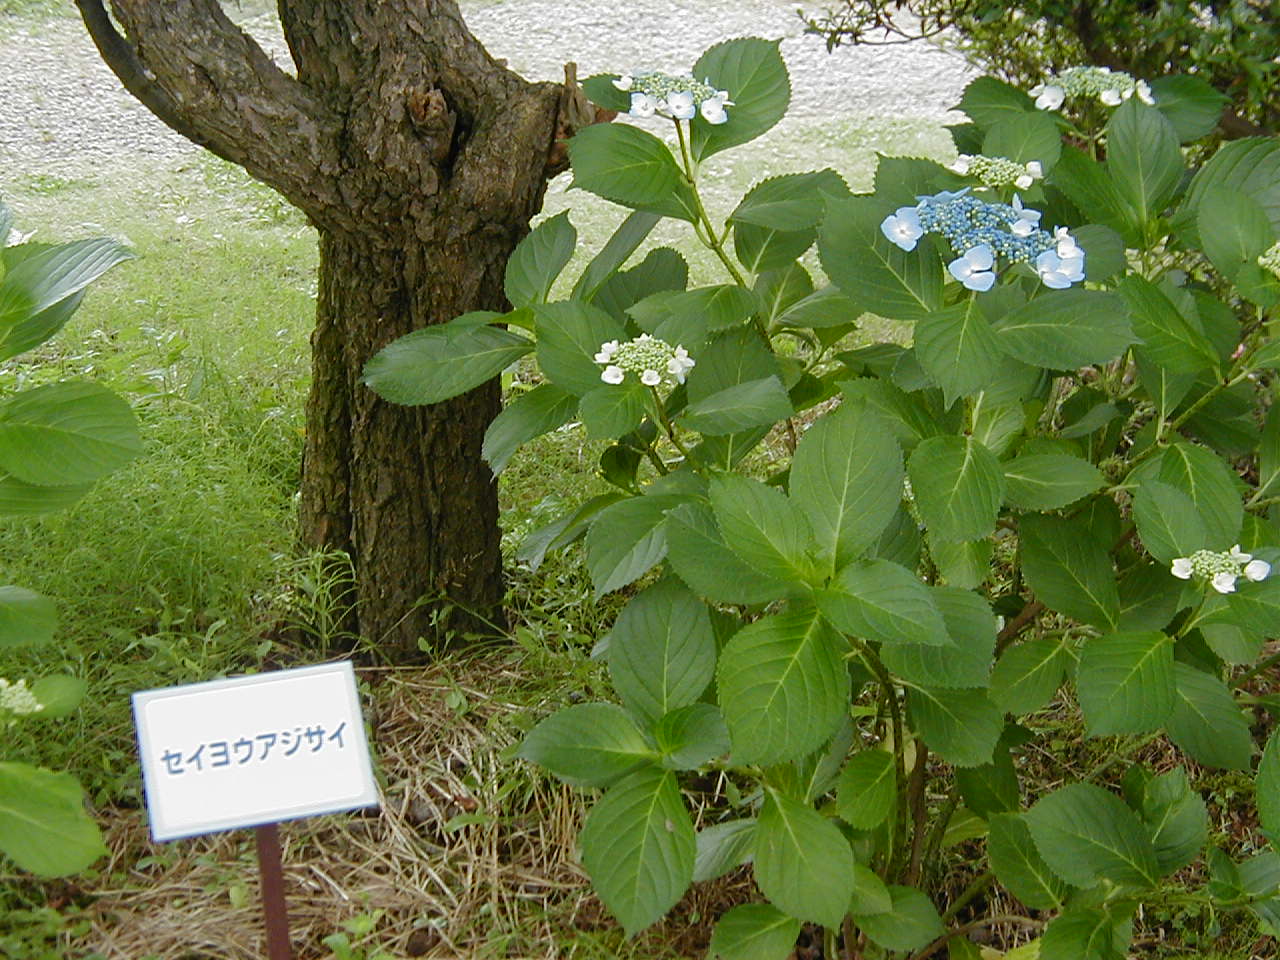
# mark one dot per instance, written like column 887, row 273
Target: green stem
column 1253, row 671
column 900, row 767
column 711, row 240
column 970, row 893
column 667, row 426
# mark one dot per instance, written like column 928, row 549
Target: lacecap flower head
column 680, row 98
column 1220, row 570
column 17, row 699
column 997, row 172
column 649, row 359
column 1110, row 87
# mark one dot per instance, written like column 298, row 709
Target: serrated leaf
column 43, row 824
column 822, row 309
column 792, row 202
column 987, row 101
column 880, row 600
column 872, row 271
column 1204, row 477
column 1178, row 819
column 630, row 166
column 958, row 349
column 966, row 660
column 699, row 556
column 803, row 863
column 1084, row 933
column 722, row 847
column 1018, row 865
column 690, row 736
column 1233, row 229
column 626, row 540
column 569, row 335
column 538, row 259
column 588, row 744
column 961, row 726
column 1167, row 521
column 846, row 475
column 867, row 789
column 1206, row 723
column 1190, row 104
column 1168, row 338
column 1069, row 573
column 782, row 686
column 1027, row 675
column 1049, row 481
column 26, row 617
column 1066, row 329
column 1143, row 160
column 529, row 415
column 958, row 486
column 1125, row 683
column 1022, row 137
column 662, row 650
column 751, row 70
column 638, row 847
column 1250, row 165
column 1267, row 790
column 754, row 931
column 65, row 434
column 909, row 924
column 762, row 527
column 715, row 308
column 755, row 403
column 663, row 270
column 1085, row 833
column 613, row 410
column 619, row 247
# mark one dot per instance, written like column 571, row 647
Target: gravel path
column 65, row 113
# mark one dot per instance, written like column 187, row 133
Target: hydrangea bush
column 56, row 440
column 1054, row 501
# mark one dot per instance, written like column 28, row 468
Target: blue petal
column 982, row 281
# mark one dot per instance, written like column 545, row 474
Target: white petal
column 602, row 357
column 1239, row 556
column 961, row 166
column 624, row 82
column 1224, row 582
column 651, row 378
column 1035, row 169
column 1024, row 181
column 612, row 375
column 1257, row 570
column 1181, row 568
column 1112, row 98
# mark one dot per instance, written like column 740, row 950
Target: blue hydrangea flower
column 903, row 227
column 1057, row 272
column 974, row 268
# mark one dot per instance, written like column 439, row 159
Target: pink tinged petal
column 1224, row 582
column 1181, row 568
column 613, row 375
column 1256, row 570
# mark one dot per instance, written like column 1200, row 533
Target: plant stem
column 1253, row 671
column 919, row 806
column 703, row 225
column 941, row 942
column 668, row 427
column 900, row 767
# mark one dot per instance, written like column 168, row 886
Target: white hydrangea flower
column 1224, row 582
column 647, row 357
column 624, row 82
column 680, row 364
column 1035, row 169
column 962, row 164
column 643, row 105
column 650, row 378
column 1048, row 96
column 1221, row 570
column 607, row 350
column 613, row 375
column 681, row 106
column 17, row 699
column 1256, row 570
column 1181, row 568
column 1112, row 98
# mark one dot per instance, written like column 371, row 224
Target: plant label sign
column 253, row 750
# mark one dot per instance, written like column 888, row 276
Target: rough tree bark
column 420, row 160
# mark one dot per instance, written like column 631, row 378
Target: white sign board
column 253, row 750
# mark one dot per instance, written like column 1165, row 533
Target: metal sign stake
column 274, row 910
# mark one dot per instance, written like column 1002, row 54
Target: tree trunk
column 420, row 160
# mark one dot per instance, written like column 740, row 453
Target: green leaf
column 1190, row 104
column 1049, row 481
column 613, row 410
column 58, row 696
column 905, row 415
column 961, row 726
column 1233, row 229
column 987, row 101
column 723, row 847
column 762, row 527
column 1178, row 819
column 1267, row 790
column 626, row 540
column 874, row 272
column 1250, row 165
column 1104, row 249
column 715, row 308
column 662, row 650
column 691, row 736
column 867, row 790
column 1204, row 477
column 699, row 556
column 792, row 202
column 436, row 363
column 569, row 335
column 752, row 72
column 991, row 787
column 755, row 403
column 630, row 166
column 966, row 660
column 638, row 848
column 1125, row 683
column 1023, row 137
column 880, row 600
column 1018, row 865
column 911, row 923
column 962, row 564
column 754, row 931
column 529, row 415
column 1257, row 605
column 1087, row 184
column 1026, row 676
column 822, row 309
column 1085, row 933
column 846, row 475
column 1143, row 160
column 1069, row 573
column 26, row 617
column 663, row 270
column 870, row 895
column 619, row 247
column 1085, row 833
column 600, row 90
column 733, row 357
column 538, row 259
column 587, row 744
column 33, row 330
column 958, row 486
column 1167, row 521
column 51, row 275
column 1206, row 722
column 1066, row 329
column 66, row 433
column 1168, row 339
column 803, row 863
column 958, row 349
column 43, row 824
column 782, row 686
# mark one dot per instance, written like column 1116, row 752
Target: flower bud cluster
column 16, row 699
column 1270, row 260
column 1221, row 570
column 679, row 98
column 999, row 172
column 1111, row 87
column 654, row 361
column 982, row 232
